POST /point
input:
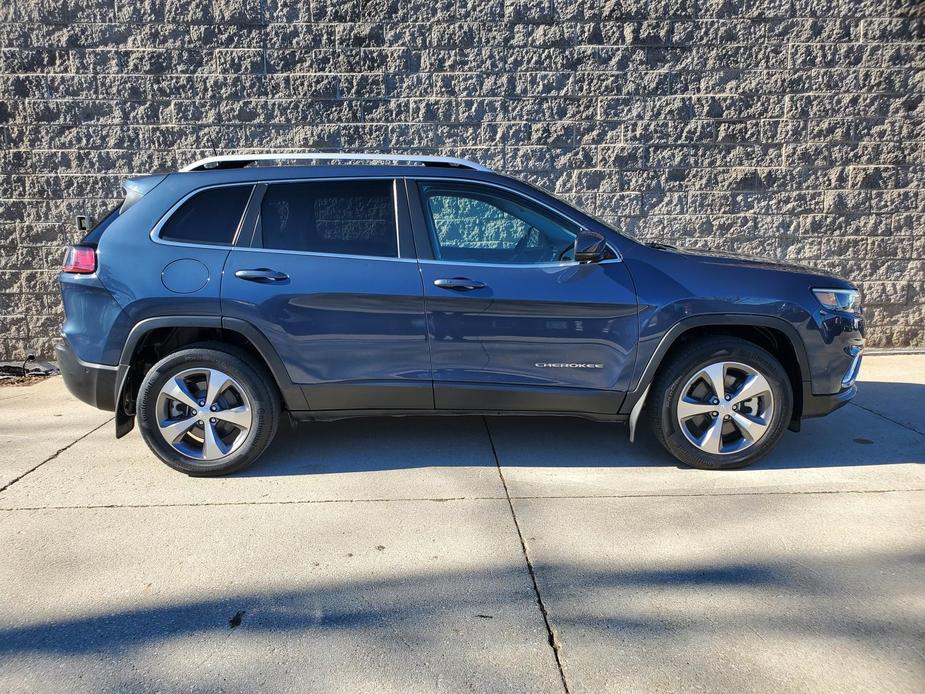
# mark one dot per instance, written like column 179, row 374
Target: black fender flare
column 293, row 398
column 686, row 324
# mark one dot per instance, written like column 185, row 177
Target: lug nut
column 199, row 422
column 214, row 408
column 202, row 403
column 729, row 397
column 714, row 414
column 726, row 417
column 715, row 401
column 213, row 420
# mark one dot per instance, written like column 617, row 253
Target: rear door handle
column 460, row 284
column 261, row 274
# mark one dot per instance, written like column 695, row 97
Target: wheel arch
column 153, row 338
column 772, row 333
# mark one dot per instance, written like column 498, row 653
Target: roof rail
column 239, row 161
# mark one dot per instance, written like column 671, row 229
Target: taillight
column 80, row 259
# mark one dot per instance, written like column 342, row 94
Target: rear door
column 329, row 276
column 513, row 321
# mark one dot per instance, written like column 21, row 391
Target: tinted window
column 478, row 224
column 346, row 217
column 211, row 216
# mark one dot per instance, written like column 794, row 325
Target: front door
column 513, row 321
column 330, row 278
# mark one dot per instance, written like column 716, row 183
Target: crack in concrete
column 53, row 456
column 550, row 632
column 688, row 495
column 282, row 502
column 889, row 419
column 537, row 497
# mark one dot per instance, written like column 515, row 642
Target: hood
column 731, row 258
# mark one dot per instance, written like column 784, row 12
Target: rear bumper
column 95, row 384
column 821, row 405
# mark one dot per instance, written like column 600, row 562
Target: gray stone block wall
column 788, row 128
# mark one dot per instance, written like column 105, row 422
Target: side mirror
column 590, row 246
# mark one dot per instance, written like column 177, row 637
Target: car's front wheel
column 207, row 411
column 720, row 403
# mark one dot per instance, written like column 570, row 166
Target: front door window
column 478, row 224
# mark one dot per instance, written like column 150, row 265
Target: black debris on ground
column 16, row 373
column 236, row 620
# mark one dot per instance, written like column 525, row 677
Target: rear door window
column 208, row 217
column 340, row 217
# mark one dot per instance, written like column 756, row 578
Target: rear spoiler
column 136, row 188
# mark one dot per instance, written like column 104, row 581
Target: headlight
column 838, row 299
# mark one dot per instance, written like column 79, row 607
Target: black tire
column 662, row 405
column 260, row 392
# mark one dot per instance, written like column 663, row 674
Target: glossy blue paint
column 527, row 321
column 336, row 319
column 91, row 315
column 340, row 323
column 673, row 285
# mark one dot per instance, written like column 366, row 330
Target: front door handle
column 460, row 284
column 261, row 274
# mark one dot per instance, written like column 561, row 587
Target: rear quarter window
column 209, row 217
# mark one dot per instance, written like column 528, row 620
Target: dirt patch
column 14, row 381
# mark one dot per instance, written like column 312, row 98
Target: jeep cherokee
column 216, row 298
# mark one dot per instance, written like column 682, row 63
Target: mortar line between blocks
column 550, row 632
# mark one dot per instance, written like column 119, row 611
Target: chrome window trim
column 395, row 215
column 551, row 263
column 248, row 249
column 155, row 232
column 615, row 251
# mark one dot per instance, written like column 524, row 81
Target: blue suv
column 216, row 298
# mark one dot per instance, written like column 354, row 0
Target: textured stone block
column 788, row 128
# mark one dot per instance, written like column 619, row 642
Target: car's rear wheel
column 207, row 411
column 720, row 403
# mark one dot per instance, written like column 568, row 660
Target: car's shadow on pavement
column 382, row 615
column 872, row 432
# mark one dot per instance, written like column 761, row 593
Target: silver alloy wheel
column 203, row 414
column 725, row 408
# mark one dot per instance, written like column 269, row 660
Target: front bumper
column 95, row 384
column 821, row 405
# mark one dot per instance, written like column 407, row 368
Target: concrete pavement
column 465, row 554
